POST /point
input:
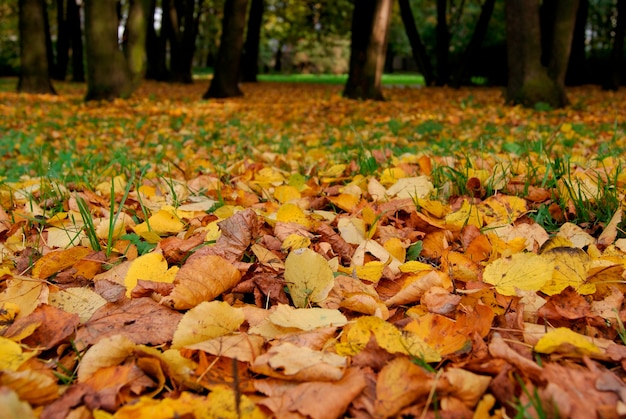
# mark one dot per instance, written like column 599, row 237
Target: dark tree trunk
column 562, row 33
column 442, row 44
column 250, row 59
column 76, row 40
column 108, row 76
column 475, row 42
column 63, row 41
column 417, row 47
column 225, row 81
column 34, row 71
column 529, row 81
column 181, row 30
column 613, row 79
column 135, row 38
column 370, row 25
column 156, row 47
column 278, row 58
column 577, row 67
column 49, row 48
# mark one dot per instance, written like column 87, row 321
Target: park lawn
column 323, row 244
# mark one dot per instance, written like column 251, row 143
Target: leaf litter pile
column 296, row 254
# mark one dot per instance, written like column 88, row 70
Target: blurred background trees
column 448, row 42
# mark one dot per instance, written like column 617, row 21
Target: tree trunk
column 63, row 42
column 370, row 26
column 135, row 39
column 613, row 80
column 225, row 81
column 529, row 82
column 475, row 42
column 417, row 47
column 108, row 76
column 577, row 67
column 250, row 59
column 442, row 44
column 181, row 32
column 562, row 33
column 156, row 47
column 76, row 41
column 34, row 72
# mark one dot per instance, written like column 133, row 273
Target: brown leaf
column 54, row 262
column 55, row 326
column 176, row 249
column 141, row 320
column 306, row 399
column 201, row 279
column 342, row 248
column 399, row 384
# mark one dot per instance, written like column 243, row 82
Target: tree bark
column 562, row 33
column 34, row 71
column 225, row 81
column 63, row 41
column 442, row 44
column 108, row 76
column 577, row 68
column 613, row 79
column 182, row 27
column 370, row 27
column 135, row 39
column 478, row 36
column 250, row 59
column 529, row 81
column 417, row 47
column 156, row 46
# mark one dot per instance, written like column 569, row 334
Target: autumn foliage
column 296, row 254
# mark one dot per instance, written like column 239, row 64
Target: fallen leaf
column 308, row 277
column 206, row 321
column 525, row 271
column 566, row 342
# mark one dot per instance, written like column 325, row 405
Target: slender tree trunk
column 370, row 25
column 156, row 46
column 182, row 29
column 76, row 41
column 417, row 47
column 63, row 41
column 613, row 80
column 562, row 33
column 250, row 59
column 442, row 44
column 475, row 42
column 135, row 39
column 34, row 72
column 529, row 81
column 108, row 76
column 577, row 67
column 225, row 81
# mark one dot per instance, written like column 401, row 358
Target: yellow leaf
column 387, row 336
column 150, row 267
column 399, row 384
column 412, row 188
column 395, row 247
column 13, row 407
column 55, row 262
column 26, row 294
column 567, row 342
column 468, row 214
column 525, row 271
column 286, row 193
column 352, row 229
column 371, row 271
column 415, row 266
column 81, row 301
column 295, row 241
column 290, row 213
column 502, row 209
column 434, row 208
column 221, row 404
column 306, row 318
column 11, row 355
column 391, row 175
column 345, row 201
column 165, row 221
column 308, row 276
column 571, row 265
column 205, row 321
